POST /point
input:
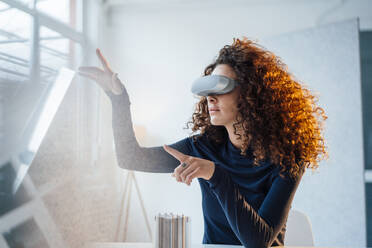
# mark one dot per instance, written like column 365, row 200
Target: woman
column 254, row 143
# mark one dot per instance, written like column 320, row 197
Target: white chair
column 298, row 230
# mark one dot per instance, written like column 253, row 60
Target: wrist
column 212, row 171
column 116, row 86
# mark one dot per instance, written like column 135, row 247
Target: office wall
column 327, row 60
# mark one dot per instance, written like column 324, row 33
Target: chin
column 216, row 122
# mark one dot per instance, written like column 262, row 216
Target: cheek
column 229, row 104
column 234, row 111
column 230, row 111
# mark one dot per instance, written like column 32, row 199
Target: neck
column 234, row 137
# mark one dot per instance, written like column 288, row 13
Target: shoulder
column 197, row 138
column 201, row 144
column 190, row 143
column 285, row 175
column 202, row 140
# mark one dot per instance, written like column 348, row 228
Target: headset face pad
column 213, row 84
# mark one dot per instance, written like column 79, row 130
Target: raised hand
column 105, row 77
column 194, row 167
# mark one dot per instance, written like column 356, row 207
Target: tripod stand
column 121, row 230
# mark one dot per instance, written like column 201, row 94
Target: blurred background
column 68, row 190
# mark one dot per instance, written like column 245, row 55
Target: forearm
column 130, row 155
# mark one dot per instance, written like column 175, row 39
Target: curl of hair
column 279, row 117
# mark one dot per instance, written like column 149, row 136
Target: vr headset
column 213, row 84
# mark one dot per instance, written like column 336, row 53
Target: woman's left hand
column 196, row 167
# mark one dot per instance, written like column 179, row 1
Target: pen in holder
column 172, row 231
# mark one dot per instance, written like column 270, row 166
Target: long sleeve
column 255, row 229
column 129, row 154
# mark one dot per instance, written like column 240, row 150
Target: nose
column 211, row 98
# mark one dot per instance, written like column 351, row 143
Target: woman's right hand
column 106, row 78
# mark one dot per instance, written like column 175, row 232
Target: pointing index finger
column 103, row 60
column 175, row 153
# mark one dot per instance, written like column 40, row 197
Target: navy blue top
column 242, row 204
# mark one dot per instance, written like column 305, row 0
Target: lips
column 213, row 109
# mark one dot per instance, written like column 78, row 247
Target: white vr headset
column 213, row 84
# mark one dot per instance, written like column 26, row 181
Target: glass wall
column 37, row 38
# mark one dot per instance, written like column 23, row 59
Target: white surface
column 299, row 230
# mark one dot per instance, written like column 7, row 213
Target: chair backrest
column 298, row 230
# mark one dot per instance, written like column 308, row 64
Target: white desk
column 150, row 245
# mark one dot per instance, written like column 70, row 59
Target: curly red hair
column 279, row 117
